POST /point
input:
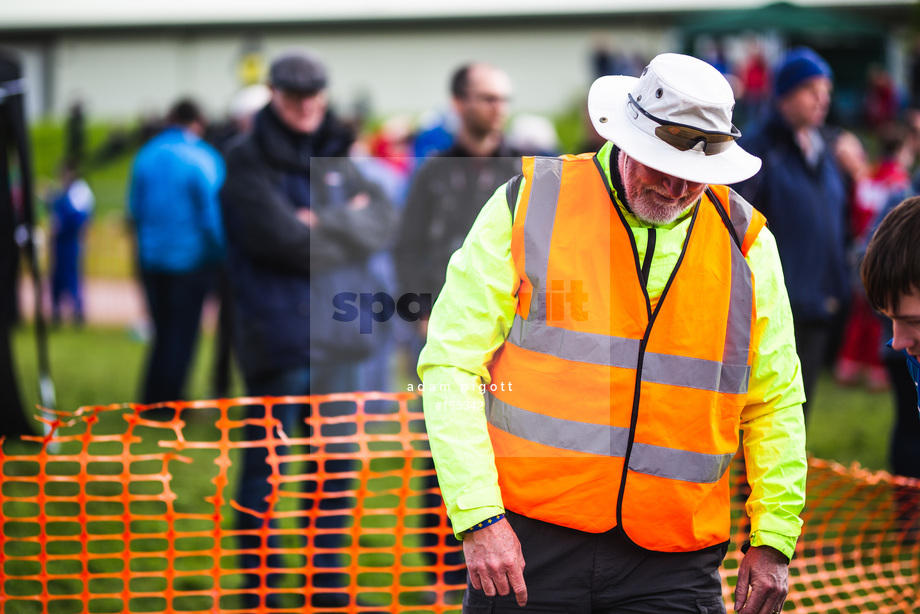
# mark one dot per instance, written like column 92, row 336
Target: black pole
column 13, row 422
column 12, row 90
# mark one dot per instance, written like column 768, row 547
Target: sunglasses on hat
column 685, row 138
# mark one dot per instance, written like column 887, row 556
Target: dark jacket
column 447, row 193
column 806, row 209
column 272, row 255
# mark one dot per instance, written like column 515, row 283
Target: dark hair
column 891, row 266
column 185, row 112
column 460, row 81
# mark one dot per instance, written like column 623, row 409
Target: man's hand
column 495, row 561
column 763, row 581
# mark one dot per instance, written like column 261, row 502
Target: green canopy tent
column 784, row 17
column 849, row 44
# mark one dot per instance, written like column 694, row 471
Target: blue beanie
column 799, row 64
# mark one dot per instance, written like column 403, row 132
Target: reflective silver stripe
column 605, row 440
column 740, row 316
column 741, row 306
column 678, row 464
column 556, row 432
column 538, row 229
column 574, row 345
column 623, row 352
column 695, row 373
column 740, row 211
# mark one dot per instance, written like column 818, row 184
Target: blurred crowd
column 232, row 209
column 325, row 239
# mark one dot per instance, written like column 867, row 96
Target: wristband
column 485, row 523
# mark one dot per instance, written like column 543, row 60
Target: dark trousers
column 223, row 342
column 254, row 486
column 174, row 301
column 573, row 572
column 811, row 343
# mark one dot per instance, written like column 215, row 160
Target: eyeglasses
column 685, row 137
column 489, row 99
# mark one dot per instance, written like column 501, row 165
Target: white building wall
column 123, row 77
column 400, row 69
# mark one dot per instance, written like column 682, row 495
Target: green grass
column 107, row 170
column 850, row 425
column 100, row 366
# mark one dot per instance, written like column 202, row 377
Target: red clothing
column 872, row 194
column 861, row 348
column 755, row 78
column 881, row 102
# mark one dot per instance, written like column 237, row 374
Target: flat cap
column 297, row 70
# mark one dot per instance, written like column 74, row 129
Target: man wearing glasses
column 626, row 320
column 449, row 188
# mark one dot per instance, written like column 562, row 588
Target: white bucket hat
column 675, row 118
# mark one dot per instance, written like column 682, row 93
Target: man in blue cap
column 802, row 192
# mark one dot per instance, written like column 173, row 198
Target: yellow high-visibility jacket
column 477, row 312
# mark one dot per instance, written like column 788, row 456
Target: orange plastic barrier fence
column 130, row 508
column 860, row 545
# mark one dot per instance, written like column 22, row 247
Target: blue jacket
column 806, row 209
column 273, row 257
column 173, row 202
column 70, row 210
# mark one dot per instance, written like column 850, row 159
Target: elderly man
column 298, row 214
column 625, row 322
column 301, row 224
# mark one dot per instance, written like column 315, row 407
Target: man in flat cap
column 301, row 224
column 595, row 354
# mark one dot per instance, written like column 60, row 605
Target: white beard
column 658, row 214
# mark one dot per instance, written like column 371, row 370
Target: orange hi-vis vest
column 615, row 410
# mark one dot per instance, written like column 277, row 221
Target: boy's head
column 891, row 273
